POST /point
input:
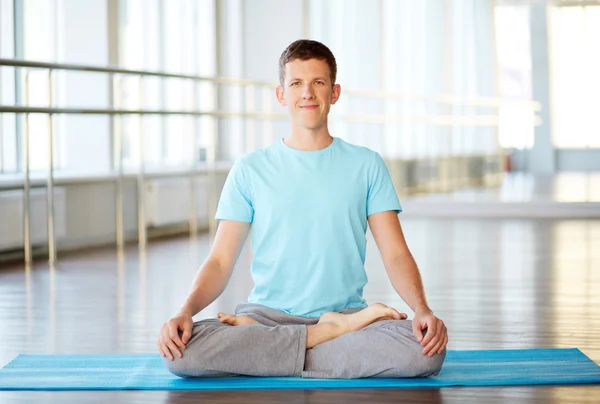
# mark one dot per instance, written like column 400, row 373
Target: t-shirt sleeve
column 381, row 195
column 235, row 202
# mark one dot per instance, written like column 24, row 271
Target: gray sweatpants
column 277, row 347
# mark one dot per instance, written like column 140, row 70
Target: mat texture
column 146, row 372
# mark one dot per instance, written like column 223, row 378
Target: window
column 513, row 43
column 575, row 81
column 175, row 36
column 8, row 124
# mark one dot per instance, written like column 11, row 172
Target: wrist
column 423, row 309
column 184, row 312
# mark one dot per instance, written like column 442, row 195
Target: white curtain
column 417, row 47
column 174, row 36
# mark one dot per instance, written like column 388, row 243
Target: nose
column 308, row 93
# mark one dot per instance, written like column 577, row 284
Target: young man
column 309, row 198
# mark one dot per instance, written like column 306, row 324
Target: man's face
column 308, row 93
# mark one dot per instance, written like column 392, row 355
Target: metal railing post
column 26, row 187
column 193, row 225
column 118, row 141
column 141, row 181
column 50, row 183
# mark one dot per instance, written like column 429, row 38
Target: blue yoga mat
column 146, row 372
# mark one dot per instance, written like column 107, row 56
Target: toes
column 226, row 318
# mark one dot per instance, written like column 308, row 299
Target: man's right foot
column 361, row 319
column 232, row 319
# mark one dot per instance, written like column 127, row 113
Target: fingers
column 417, row 332
column 165, row 349
column 445, row 343
column 174, row 334
column 173, row 348
column 437, row 346
column 166, row 346
column 431, row 332
column 160, row 349
column 438, row 341
column 187, row 333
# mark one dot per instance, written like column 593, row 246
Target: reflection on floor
column 509, row 283
column 563, row 195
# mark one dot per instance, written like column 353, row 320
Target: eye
column 320, row 82
column 295, row 83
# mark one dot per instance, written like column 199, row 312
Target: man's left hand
column 436, row 338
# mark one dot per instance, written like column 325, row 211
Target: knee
column 427, row 366
column 411, row 362
column 190, row 364
column 424, row 364
column 177, row 366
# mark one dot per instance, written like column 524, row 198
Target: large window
column 575, row 81
column 513, row 43
column 411, row 47
column 28, row 30
column 61, row 32
column 8, row 132
column 175, row 36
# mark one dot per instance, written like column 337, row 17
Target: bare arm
column 209, row 283
column 398, row 260
column 406, row 280
column 215, row 272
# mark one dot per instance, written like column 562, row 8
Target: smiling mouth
column 309, row 106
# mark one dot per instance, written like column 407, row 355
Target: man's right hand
column 169, row 343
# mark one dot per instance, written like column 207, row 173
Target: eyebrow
column 316, row 78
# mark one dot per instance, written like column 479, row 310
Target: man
column 309, row 198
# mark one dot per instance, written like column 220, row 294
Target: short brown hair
column 305, row 49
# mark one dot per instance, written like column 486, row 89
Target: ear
column 335, row 93
column 279, row 93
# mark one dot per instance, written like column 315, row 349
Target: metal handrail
column 116, row 70
column 116, row 112
column 96, row 111
column 492, row 102
column 442, row 120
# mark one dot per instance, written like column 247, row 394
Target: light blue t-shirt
column 309, row 212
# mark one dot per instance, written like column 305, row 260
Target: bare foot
column 361, row 319
column 236, row 320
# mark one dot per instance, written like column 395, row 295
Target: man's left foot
column 236, row 320
column 360, row 319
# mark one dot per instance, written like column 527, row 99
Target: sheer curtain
column 575, row 81
column 423, row 48
column 61, row 31
column 8, row 124
column 174, row 36
column 514, row 63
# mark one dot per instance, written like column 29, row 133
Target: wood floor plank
column 496, row 283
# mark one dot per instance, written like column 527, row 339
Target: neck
column 309, row 140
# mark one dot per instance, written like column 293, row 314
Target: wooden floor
column 496, row 283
